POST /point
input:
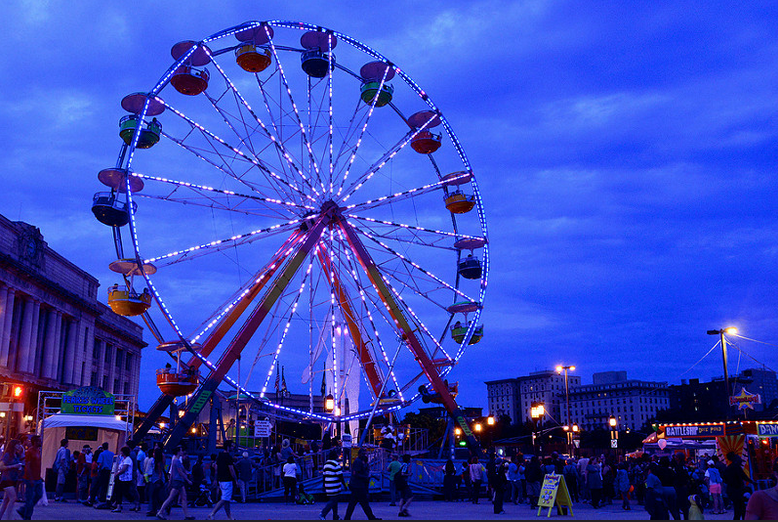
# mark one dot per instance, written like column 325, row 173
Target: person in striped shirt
column 334, row 483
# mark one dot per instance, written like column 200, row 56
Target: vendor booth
column 754, row 441
column 86, row 417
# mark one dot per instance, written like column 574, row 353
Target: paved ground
column 422, row 510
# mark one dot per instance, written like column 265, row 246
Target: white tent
column 54, row 428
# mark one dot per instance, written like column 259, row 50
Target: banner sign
column 745, row 400
column 695, row 431
column 88, row 400
column 766, row 430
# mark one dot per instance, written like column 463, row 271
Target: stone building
column 632, row 402
column 54, row 333
column 516, row 396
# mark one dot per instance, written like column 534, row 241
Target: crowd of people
column 143, row 478
column 666, row 487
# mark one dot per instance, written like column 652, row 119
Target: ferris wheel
column 287, row 196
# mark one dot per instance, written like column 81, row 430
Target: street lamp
column 490, row 420
column 614, row 424
column 537, row 411
column 478, row 427
column 559, row 370
column 329, row 402
column 721, row 332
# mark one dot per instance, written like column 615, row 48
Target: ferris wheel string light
column 253, row 209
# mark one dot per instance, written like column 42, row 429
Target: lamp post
column 614, row 425
column 559, row 370
column 537, row 411
column 721, row 332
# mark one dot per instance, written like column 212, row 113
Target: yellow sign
column 554, row 492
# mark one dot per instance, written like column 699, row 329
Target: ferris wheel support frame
column 368, row 364
column 233, row 351
column 428, row 366
column 228, row 321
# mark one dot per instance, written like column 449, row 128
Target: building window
column 107, row 353
column 96, row 350
column 116, row 386
column 119, row 358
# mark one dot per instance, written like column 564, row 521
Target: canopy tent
column 92, row 430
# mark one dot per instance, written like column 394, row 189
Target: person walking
column 713, row 480
column 570, row 472
column 83, row 470
column 465, row 474
column 476, row 478
column 594, row 482
column 499, row 484
column 736, row 479
column 449, row 480
column 61, row 466
column 123, row 479
column 404, row 488
column 359, row 485
column 10, row 473
column 225, row 475
column 334, row 484
column 104, row 467
column 514, row 483
column 622, row 486
column 393, row 467
column 154, row 475
column 179, row 478
column 533, row 474
column 245, row 469
column 290, row 471
column 32, row 478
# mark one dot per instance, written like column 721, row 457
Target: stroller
column 203, row 496
column 302, row 496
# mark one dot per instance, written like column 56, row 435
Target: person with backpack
column 334, row 484
column 61, row 466
column 403, row 488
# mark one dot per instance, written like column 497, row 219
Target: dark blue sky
column 625, row 154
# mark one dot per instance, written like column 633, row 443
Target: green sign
column 88, row 400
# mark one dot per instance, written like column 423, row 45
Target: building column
column 69, row 357
column 25, row 337
column 49, row 368
column 34, row 350
column 6, row 315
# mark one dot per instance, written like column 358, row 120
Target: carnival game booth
column 756, row 442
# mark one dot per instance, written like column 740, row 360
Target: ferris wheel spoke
column 299, row 120
column 383, row 160
column 187, row 254
column 355, row 148
column 274, row 140
column 441, row 235
column 393, row 198
column 261, row 165
column 205, row 191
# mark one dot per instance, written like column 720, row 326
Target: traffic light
column 13, row 392
column 17, row 392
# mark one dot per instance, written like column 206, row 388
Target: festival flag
column 324, row 381
column 284, row 390
column 278, row 382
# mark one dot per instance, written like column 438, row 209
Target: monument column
column 34, row 351
column 6, row 315
column 69, row 359
column 25, row 337
column 48, row 369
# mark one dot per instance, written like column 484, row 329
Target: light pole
column 721, row 332
column 537, row 411
column 614, row 424
column 559, row 370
